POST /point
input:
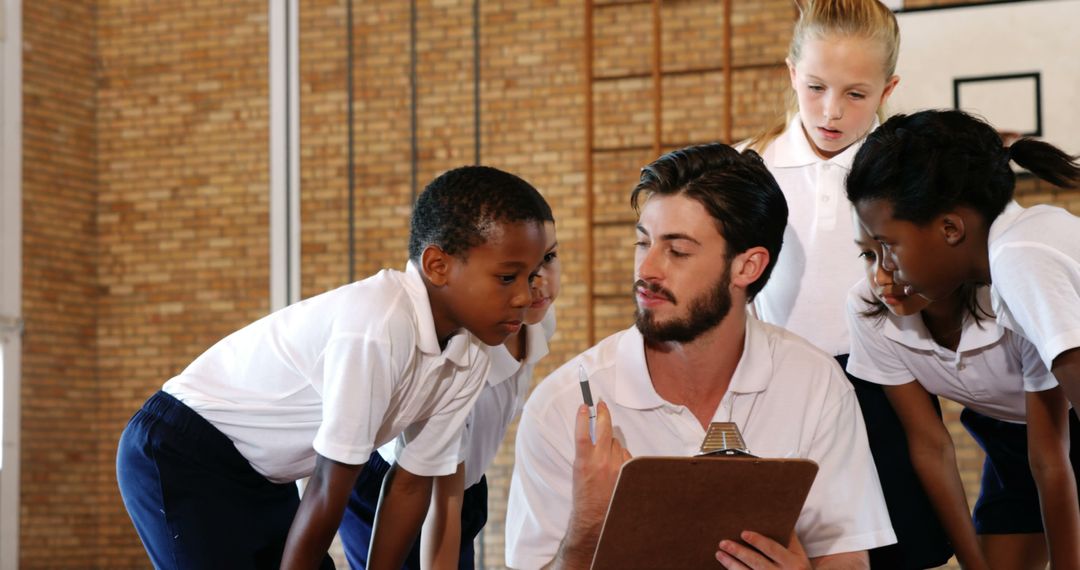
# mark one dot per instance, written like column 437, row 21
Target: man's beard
column 704, row 314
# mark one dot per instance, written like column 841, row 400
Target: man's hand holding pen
column 596, row 468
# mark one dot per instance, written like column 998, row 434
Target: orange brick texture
column 61, row 467
column 146, row 187
column 145, row 234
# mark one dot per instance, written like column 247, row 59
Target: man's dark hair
column 735, row 188
column 457, row 209
column 929, row 162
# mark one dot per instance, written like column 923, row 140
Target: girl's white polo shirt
column 989, row 372
column 819, row 261
column 340, row 374
column 788, row 398
column 1035, row 274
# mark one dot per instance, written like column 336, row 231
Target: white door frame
column 10, row 272
column 284, row 153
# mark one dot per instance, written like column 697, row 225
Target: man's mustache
column 655, row 289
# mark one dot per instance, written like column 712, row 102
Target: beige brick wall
column 183, row 207
column 324, row 144
column 60, row 463
column 146, row 183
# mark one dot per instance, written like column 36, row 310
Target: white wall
column 940, row 45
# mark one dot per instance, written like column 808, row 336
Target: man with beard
column 710, row 226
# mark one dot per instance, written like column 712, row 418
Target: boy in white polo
column 454, row 520
column 709, row 232
column 206, row 467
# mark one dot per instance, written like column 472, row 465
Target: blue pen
column 586, row 395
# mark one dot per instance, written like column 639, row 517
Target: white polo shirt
column 501, row 400
column 819, row 261
column 989, row 372
column 1035, row 271
column 340, row 374
column 788, row 398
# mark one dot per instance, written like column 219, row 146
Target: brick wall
column 146, row 182
column 144, row 207
column 183, row 205
column 60, row 467
column 323, row 146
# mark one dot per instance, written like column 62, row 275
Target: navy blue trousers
column 195, row 501
column 921, row 540
column 359, row 519
column 1009, row 499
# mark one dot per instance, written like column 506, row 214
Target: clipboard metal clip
column 724, row 439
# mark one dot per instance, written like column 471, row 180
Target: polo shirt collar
column 633, row 385
column 504, row 365
column 911, row 332
column 755, row 368
column 1005, row 220
column 457, row 350
column 793, row 150
column 980, row 334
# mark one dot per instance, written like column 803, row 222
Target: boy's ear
column 748, row 266
column 791, row 71
column 953, row 228
column 435, row 264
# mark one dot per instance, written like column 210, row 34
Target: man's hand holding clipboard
column 769, row 553
column 723, row 507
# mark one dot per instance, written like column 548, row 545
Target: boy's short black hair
column 458, row 208
column 735, row 188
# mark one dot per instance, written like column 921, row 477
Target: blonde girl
column 842, row 67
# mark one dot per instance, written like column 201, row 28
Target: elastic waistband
column 197, row 434
column 165, row 407
column 376, row 464
column 170, row 411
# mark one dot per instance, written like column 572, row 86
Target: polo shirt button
column 825, row 199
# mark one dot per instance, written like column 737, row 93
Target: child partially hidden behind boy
column 207, row 467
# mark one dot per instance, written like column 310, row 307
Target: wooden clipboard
column 672, row 512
